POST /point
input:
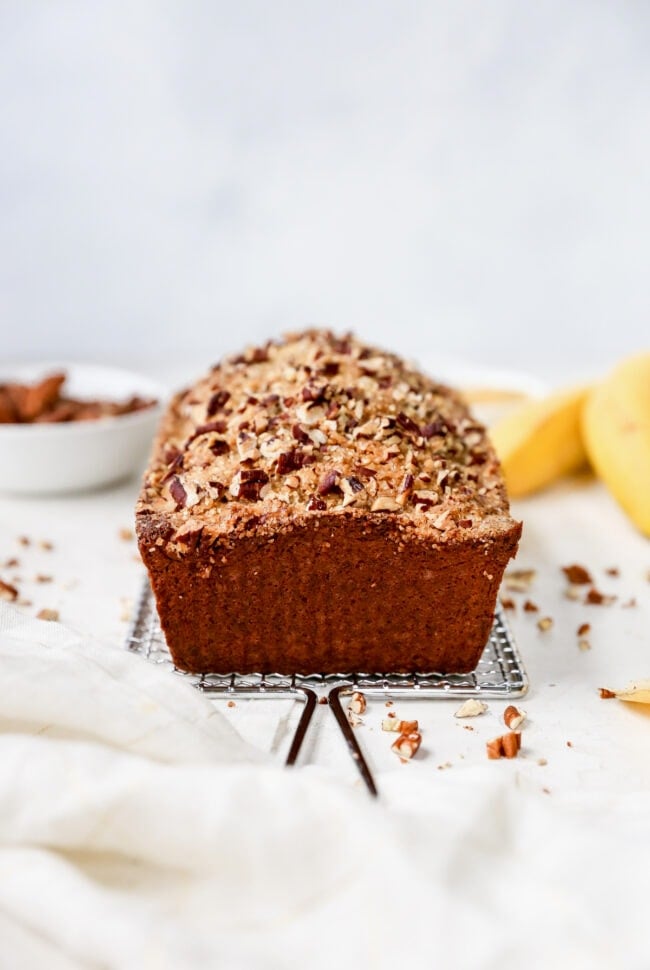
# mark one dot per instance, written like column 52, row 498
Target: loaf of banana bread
column 316, row 505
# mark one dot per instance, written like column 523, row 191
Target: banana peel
column 541, row 441
column 636, row 693
column 616, row 433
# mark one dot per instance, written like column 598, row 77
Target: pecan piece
column 292, row 461
column 577, row 575
column 217, row 402
column 328, row 484
column 7, row 591
column 300, row 434
column 219, row 447
column 406, row 746
column 408, row 424
column 433, row 428
column 177, row 492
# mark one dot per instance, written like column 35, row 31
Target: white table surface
column 96, row 576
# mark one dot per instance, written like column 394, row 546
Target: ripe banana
column 541, row 440
column 616, row 431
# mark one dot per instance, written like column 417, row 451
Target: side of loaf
column 316, row 505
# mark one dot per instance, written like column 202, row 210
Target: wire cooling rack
column 500, row 674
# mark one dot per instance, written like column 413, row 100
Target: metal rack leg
column 350, row 738
column 303, row 724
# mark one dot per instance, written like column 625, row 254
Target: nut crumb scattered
column 596, row 598
column 447, row 764
column 389, row 703
column 583, row 629
column 472, row 707
column 519, row 580
column 357, row 703
column 505, row 746
column 613, row 571
column 513, row 717
column 508, row 603
column 8, row 592
column 126, row 612
column 21, row 601
column 572, row 593
column 43, row 578
column 584, row 644
column 232, row 703
column 407, row 745
column 126, row 535
column 24, row 541
column 46, row 614
column 605, row 693
column 577, row 575
column 400, row 727
column 629, row 604
column 46, row 545
column 12, row 563
column 530, row 607
column 545, row 623
column 569, row 744
column 542, row 762
column 322, row 700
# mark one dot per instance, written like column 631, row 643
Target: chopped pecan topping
column 408, row 424
column 359, row 426
column 300, row 434
column 385, row 504
column 217, row 402
column 328, row 482
column 219, row 447
column 354, row 483
column 248, row 483
column 177, row 492
column 291, row 461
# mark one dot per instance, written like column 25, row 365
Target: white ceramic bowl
column 77, row 455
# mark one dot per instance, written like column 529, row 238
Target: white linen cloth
column 138, row 830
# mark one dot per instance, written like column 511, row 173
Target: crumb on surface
column 595, row 598
column 577, row 575
column 47, row 614
column 8, row 591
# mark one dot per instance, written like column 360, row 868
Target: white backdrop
column 462, row 178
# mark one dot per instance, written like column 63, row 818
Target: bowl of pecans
column 67, row 427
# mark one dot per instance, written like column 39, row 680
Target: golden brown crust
column 318, row 505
